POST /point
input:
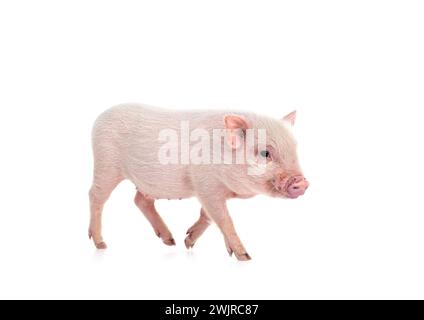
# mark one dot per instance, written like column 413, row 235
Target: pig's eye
column 265, row 154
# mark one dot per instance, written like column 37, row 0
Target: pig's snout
column 291, row 186
column 296, row 186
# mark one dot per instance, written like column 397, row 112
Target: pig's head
column 280, row 174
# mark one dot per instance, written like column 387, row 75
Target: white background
column 354, row 70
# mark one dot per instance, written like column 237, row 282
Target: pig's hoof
column 166, row 237
column 169, row 242
column 230, row 251
column 101, row 245
column 244, row 257
column 189, row 243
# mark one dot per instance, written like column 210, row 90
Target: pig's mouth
column 276, row 190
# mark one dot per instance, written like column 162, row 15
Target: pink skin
column 197, row 229
column 147, row 206
column 297, row 186
column 125, row 147
column 292, row 186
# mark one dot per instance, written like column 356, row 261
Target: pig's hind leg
column 197, row 229
column 147, row 206
column 103, row 185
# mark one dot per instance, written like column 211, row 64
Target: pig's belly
column 162, row 181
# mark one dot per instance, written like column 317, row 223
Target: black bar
column 212, row 309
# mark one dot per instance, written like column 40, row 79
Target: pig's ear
column 290, row 118
column 235, row 133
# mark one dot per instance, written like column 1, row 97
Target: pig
column 126, row 143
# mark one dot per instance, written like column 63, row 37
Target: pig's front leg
column 197, row 229
column 216, row 209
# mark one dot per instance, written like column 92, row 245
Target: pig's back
column 126, row 137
